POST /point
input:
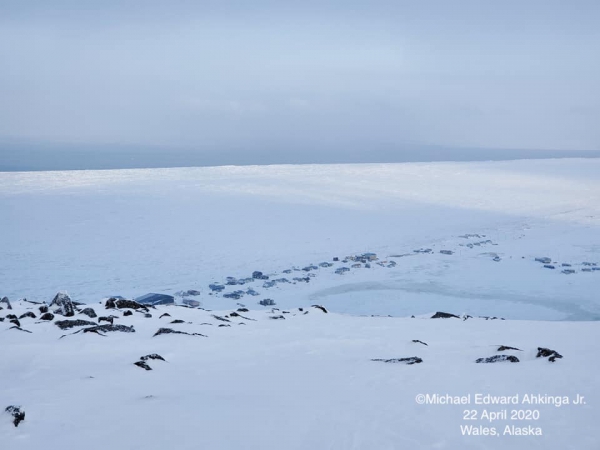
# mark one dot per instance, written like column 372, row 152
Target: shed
column 156, row 299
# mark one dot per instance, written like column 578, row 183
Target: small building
column 341, row 270
column 267, row 302
column 192, row 303
column 155, row 299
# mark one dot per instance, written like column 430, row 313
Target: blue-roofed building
column 156, row 299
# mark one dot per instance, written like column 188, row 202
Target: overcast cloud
column 494, row 74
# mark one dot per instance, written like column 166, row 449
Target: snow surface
column 306, row 382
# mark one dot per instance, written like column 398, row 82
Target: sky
column 225, row 74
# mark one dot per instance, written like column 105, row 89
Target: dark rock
column 148, row 316
column 6, row 302
column 20, row 329
column 416, row 341
column 320, row 307
column 408, row 361
column 11, row 316
column 90, row 313
column 224, row 325
column 164, row 315
column 177, row 321
column 193, row 292
column 127, row 313
column 27, row 314
column 143, row 365
column 68, row 324
column 152, row 356
column 443, row 315
column 171, row 331
column 222, row 319
column 546, row 352
column 109, row 319
column 109, row 328
column 300, row 309
column 506, row 347
column 64, row 304
column 16, row 322
column 17, row 413
column 43, row 309
column 113, row 303
column 498, row 358
column 276, row 317
column 243, row 309
column 47, row 316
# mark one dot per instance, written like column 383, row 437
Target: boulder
column 113, row 303
column 497, row 358
column 64, row 304
column 89, row 312
column 444, row 315
column 127, row 313
column 408, row 361
column 17, row 413
column 43, row 309
column 68, row 324
column 552, row 355
column 16, row 322
column 243, row 309
column 47, row 316
column 148, row 316
column 11, row 316
column 177, row 321
column 27, row 314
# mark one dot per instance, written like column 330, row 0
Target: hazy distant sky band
column 510, row 74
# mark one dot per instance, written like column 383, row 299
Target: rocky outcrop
column 89, row 312
column 6, row 302
column 114, row 303
column 408, row 361
column 16, row 322
column 43, row 309
column 552, row 355
column 109, row 319
column 497, row 358
column 64, row 304
column 68, row 324
column 444, row 315
column 152, row 356
column 17, row 413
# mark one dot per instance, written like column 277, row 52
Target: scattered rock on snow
column 277, row 317
column 17, row 413
column 320, row 307
column 109, row 319
column 177, row 321
column 164, row 315
column 408, row 361
column 16, row 322
column 20, row 329
column 506, row 347
column 148, row 316
column 64, row 304
column 242, row 309
column 222, row 319
column 152, row 356
column 143, row 365
column 127, row 313
column 498, row 358
column 47, row 316
column 444, row 315
column 547, row 353
column 171, row 331
column 416, row 341
column 43, row 309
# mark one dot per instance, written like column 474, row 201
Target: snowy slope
column 303, row 382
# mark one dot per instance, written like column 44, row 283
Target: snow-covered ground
column 306, row 381
column 129, row 232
